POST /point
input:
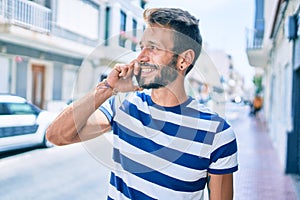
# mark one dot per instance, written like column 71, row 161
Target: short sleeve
column 223, row 158
column 108, row 108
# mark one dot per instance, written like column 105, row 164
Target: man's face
column 157, row 61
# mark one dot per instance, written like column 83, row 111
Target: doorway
column 38, row 85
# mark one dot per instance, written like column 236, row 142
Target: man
column 165, row 144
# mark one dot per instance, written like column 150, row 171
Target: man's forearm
column 66, row 127
column 220, row 187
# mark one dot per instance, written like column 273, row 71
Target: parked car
column 22, row 124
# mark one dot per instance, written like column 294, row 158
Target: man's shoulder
column 201, row 108
column 205, row 113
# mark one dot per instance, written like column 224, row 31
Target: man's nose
column 143, row 56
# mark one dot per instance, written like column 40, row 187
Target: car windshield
column 17, row 109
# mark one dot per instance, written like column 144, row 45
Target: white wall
column 78, row 17
column 278, row 79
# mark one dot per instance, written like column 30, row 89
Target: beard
column 168, row 74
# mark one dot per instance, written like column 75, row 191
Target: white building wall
column 79, row 17
column 278, row 77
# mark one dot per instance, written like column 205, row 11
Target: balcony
column 26, row 28
column 257, row 54
column 26, row 14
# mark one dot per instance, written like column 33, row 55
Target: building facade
column 45, row 44
column 215, row 81
column 273, row 49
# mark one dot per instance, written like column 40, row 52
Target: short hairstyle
column 186, row 35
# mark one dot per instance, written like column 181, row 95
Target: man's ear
column 185, row 59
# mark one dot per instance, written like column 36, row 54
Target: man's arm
column 81, row 120
column 220, row 187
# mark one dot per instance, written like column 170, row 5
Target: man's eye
column 152, row 47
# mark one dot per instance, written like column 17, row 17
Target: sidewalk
column 260, row 175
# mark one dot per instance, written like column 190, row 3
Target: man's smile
column 147, row 68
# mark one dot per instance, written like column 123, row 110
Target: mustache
column 143, row 64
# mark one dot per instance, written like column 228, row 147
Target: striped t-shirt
column 166, row 152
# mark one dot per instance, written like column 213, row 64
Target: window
column 143, row 3
column 134, row 34
column 20, row 109
column 122, row 38
column 17, row 109
column 107, row 27
column 3, row 109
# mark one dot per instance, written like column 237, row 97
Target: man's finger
column 130, row 71
column 136, row 68
column 124, row 70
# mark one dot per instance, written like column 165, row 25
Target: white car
column 22, row 124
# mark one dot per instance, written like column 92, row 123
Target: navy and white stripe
column 162, row 152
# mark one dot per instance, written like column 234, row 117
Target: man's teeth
column 146, row 70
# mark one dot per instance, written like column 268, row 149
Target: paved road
column 59, row 173
column 260, row 176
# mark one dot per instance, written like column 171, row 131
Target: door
column 293, row 145
column 296, row 115
column 38, row 85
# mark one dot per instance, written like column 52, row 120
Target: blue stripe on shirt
column 156, row 177
column 168, row 127
column 106, row 111
column 107, row 114
column 226, row 150
column 223, row 171
column 183, row 109
column 129, row 192
column 171, row 155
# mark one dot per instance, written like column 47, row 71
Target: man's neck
column 171, row 95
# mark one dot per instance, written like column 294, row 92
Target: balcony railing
column 26, row 14
column 254, row 39
column 256, row 52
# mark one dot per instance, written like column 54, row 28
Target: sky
column 223, row 26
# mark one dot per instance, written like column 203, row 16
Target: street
column 67, row 172
column 260, row 176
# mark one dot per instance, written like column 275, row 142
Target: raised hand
column 120, row 78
